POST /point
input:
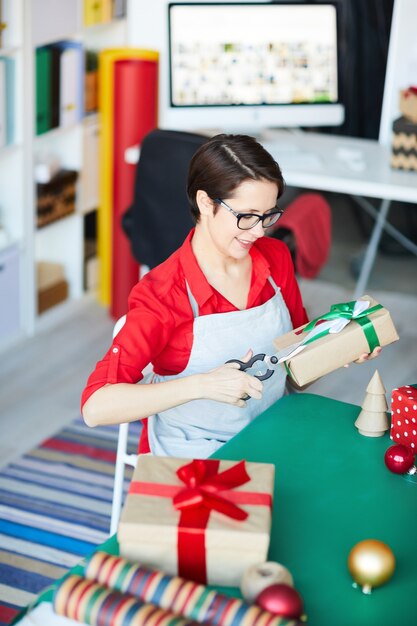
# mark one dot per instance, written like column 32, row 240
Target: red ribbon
column 206, row 489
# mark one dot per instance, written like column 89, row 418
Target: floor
column 41, row 379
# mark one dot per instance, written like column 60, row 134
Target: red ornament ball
column 399, row 459
column 281, row 599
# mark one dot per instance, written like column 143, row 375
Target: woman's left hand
column 367, row 356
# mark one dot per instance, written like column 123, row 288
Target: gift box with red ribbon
column 205, row 520
column 404, row 416
column 334, row 339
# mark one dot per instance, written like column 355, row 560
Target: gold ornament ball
column 371, row 563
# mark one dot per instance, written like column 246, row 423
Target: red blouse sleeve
column 143, row 336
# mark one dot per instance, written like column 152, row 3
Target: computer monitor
column 250, row 65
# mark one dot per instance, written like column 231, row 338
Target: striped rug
column 55, row 505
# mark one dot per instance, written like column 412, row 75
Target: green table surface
column 332, row 489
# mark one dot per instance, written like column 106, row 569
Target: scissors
column 261, row 366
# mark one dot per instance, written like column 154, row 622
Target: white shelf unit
column 33, row 23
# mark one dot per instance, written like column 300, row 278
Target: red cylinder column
column 135, row 115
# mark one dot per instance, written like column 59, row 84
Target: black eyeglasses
column 246, row 221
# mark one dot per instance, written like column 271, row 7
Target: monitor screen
column 245, row 54
column 247, row 63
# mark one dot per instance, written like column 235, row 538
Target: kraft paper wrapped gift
column 204, row 520
column 334, row 339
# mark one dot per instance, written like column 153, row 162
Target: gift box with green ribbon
column 334, row 339
column 205, row 520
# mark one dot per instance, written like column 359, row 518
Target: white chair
column 122, row 459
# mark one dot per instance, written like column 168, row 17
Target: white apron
column 198, row 428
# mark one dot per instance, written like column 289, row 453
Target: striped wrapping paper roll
column 86, row 601
column 182, row 597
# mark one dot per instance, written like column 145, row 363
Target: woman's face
column 252, row 196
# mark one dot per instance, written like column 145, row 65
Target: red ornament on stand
column 399, row 459
column 281, row 599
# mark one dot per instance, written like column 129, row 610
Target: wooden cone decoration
column 373, row 419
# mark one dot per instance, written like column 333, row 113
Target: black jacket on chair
column 159, row 219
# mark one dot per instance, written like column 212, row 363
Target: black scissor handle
column 247, row 365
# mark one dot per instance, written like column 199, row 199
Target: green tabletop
column 332, row 489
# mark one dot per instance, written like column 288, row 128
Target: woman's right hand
column 227, row 383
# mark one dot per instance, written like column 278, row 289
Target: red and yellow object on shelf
column 404, row 416
column 205, row 520
column 128, row 102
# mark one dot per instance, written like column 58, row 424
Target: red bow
column 204, row 483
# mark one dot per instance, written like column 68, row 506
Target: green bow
column 346, row 310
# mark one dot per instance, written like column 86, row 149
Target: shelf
column 32, row 24
column 5, row 151
column 8, row 52
column 91, row 118
column 62, row 21
column 87, row 210
column 11, row 243
column 54, row 132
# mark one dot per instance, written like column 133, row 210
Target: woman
column 226, row 293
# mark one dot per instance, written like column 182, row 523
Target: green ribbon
column 345, row 310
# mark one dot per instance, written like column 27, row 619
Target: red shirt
column 159, row 323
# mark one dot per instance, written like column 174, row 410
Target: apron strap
column 274, row 285
column 193, row 301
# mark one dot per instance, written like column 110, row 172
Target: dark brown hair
column 223, row 162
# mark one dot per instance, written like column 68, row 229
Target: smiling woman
column 225, row 294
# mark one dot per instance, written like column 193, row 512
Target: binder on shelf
column 71, row 77
column 7, row 94
column 91, row 82
column 43, row 60
column 2, row 103
column 55, row 74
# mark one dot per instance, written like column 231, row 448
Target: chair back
column 122, row 458
column 159, row 218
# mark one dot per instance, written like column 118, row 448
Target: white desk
column 358, row 167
